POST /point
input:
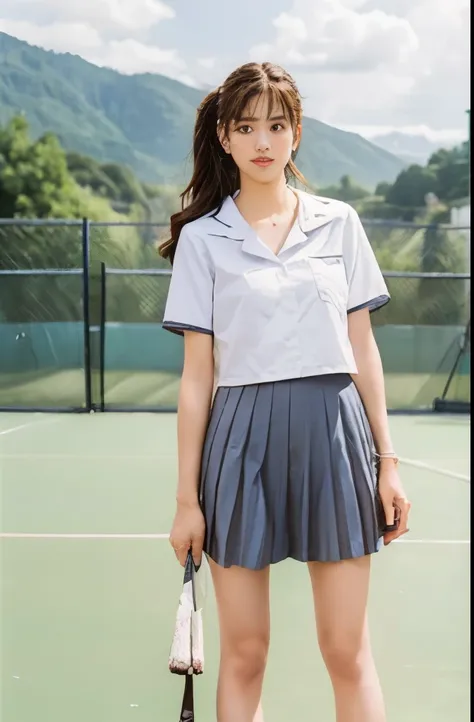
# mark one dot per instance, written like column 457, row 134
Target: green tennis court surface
column 157, row 389
column 89, row 584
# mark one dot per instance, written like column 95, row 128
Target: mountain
column 410, row 148
column 146, row 121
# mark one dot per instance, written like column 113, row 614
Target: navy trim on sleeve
column 179, row 328
column 373, row 305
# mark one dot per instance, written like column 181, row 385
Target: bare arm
column 370, row 380
column 195, row 397
column 194, row 404
column 371, row 387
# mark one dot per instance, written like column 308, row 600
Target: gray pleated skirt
column 289, row 470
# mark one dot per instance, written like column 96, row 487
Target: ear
column 297, row 138
column 223, row 140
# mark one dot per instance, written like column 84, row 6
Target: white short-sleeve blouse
column 275, row 317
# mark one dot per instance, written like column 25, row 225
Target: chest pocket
column 330, row 279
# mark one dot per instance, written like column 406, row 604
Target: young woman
column 284, row 444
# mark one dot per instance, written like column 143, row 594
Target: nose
column 262, row 142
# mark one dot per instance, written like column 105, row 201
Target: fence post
column 86, row 311
column 102, row 326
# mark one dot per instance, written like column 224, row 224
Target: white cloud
column 334, row 35
column 442, row 64
column 104, row 32
column 379, row 62
column 107, row 15
column 447, row 136
column 61, row 37
column 207, row 63
column 291, row 29
column 130, row 56
column 374, row 63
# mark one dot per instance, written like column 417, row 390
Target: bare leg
column 340, row 596
column 244, row 620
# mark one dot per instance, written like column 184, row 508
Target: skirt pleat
column 289, row 470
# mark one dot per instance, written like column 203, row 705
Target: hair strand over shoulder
column 215, row 174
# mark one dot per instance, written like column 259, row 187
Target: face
column 261, row 145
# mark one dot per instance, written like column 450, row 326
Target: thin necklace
column 274, row 223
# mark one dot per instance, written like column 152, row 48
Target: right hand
column 395, row 503
column 188, row 532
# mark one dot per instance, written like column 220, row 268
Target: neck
column 261, row 200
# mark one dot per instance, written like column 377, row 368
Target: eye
column 277, row 126
column 244, row 129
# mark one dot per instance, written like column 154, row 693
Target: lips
column 263, row 162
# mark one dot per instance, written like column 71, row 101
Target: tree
column 411, row 187
column 130, row 189
column 35, row 183
column 452, row 172
column 34, row 178
column 346, row 191
column 88, row 174
column 382, row 189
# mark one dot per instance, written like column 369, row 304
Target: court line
column 16, row 428
column 38, row 422
column 33, row 535
column 436, row 469
column 453, row 542
column 86, row 457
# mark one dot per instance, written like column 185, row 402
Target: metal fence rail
column 81, row 305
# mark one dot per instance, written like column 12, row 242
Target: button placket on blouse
column 289, row 303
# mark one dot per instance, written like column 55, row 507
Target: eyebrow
column 254, row 120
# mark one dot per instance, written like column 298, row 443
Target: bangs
column 279, row 96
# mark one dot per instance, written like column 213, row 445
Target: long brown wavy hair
column 215, row 174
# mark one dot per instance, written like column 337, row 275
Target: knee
column 345, row 659
column 247, row 658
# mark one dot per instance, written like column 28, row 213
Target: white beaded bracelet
column 388, row 455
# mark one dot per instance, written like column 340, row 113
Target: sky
column 370, row 66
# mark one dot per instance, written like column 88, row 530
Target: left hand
column 394, row 500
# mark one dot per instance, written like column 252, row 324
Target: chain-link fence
column 426, row 299
column 81, row 306
column 43, row 314
column 420, row 333
column 401, row 246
